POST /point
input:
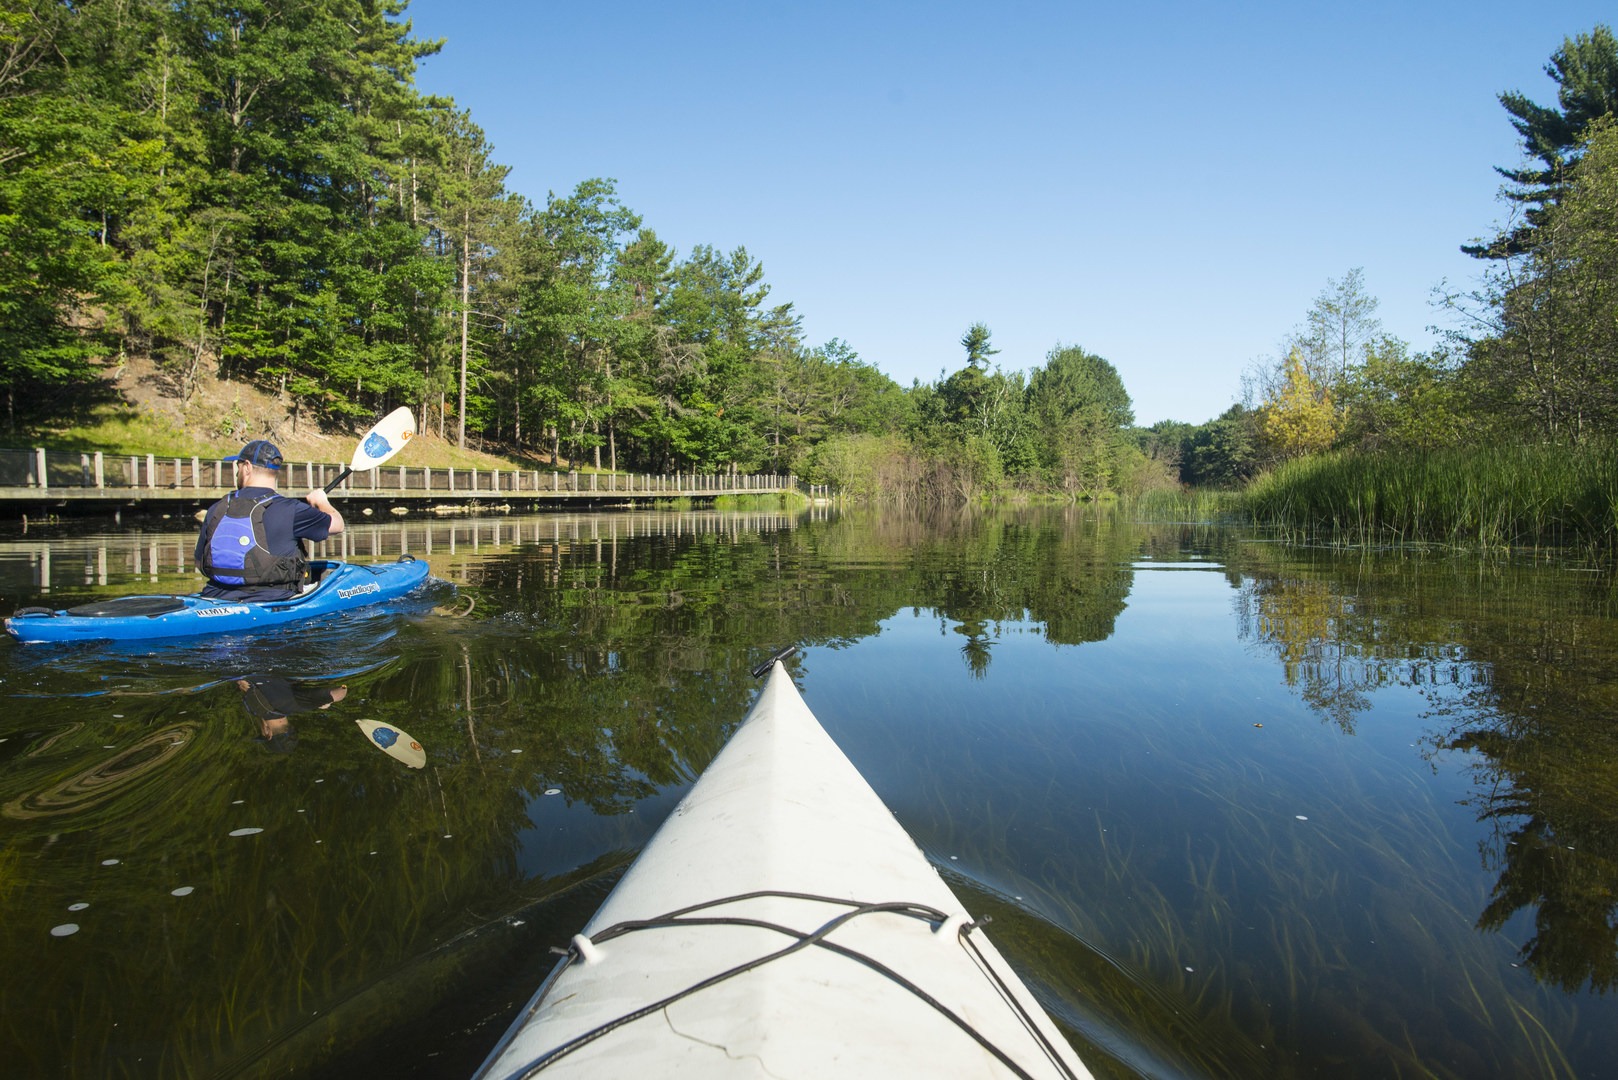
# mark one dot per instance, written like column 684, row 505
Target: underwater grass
column 1217, row 948
column 1492, row 497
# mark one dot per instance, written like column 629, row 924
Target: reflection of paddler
column 270, row 700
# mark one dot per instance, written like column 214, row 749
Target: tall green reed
column 1492, row 496
column 1180, row 505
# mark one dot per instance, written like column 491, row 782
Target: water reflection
column 57, row 558
column 1225, row 799
column 1517, row 689
column 1546, row 787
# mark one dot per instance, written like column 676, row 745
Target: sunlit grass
column 1485, row 496
column 131, row 432
column 1180, row 505
column 786, row 500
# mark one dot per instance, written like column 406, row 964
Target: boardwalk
column 40, row 482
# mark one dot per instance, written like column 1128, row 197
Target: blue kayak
column 341, row 586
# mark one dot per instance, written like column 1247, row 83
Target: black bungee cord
column 802, row 940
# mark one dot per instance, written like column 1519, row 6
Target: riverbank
column 141, row 415
column 1487, row 496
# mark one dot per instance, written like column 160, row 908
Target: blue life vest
column 235, row 547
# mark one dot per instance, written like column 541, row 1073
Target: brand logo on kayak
column 210, row 612
column 359, row 590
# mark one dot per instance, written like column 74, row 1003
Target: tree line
column 258, row 191
column 1532, row 353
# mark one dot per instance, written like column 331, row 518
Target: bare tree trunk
column 516, row 412
column 466, row 303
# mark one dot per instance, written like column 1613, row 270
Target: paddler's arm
column 320, row 501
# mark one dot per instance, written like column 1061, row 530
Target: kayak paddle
column 380, row 443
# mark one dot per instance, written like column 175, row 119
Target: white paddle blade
column 393, row 742
column 386, row 439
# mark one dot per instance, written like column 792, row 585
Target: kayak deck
column 782, row 923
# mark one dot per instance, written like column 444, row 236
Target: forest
column 257, row 191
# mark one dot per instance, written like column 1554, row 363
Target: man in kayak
column 251, row 546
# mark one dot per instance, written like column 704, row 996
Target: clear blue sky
column 1167, row 183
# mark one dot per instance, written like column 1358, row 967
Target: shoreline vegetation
column 1489, row 497
column 284, row 266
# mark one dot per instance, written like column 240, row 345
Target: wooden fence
column 32, row 473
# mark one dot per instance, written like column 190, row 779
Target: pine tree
column 1585, row 70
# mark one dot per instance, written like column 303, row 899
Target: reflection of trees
column 1548, row 783
column 1516, row 666
column 1342, row 627
column 1300, row 620
column 976, row 649
column 1067, row 571
column 1571, row 891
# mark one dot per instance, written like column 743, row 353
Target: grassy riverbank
column 1489, row 496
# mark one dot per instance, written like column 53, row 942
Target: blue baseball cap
column 260, row 452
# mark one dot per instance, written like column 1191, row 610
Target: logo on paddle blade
column 376, row 446
column 385, row 737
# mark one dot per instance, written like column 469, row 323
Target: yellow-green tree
column 1300, row 418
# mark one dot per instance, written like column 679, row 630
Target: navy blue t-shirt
column 286, row 521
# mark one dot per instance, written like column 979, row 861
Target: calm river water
column 1236, row 808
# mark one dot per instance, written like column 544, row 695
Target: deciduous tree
column 1340, row 325
column 1301, row 418
column 1396, row 401
column 1080, row 413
